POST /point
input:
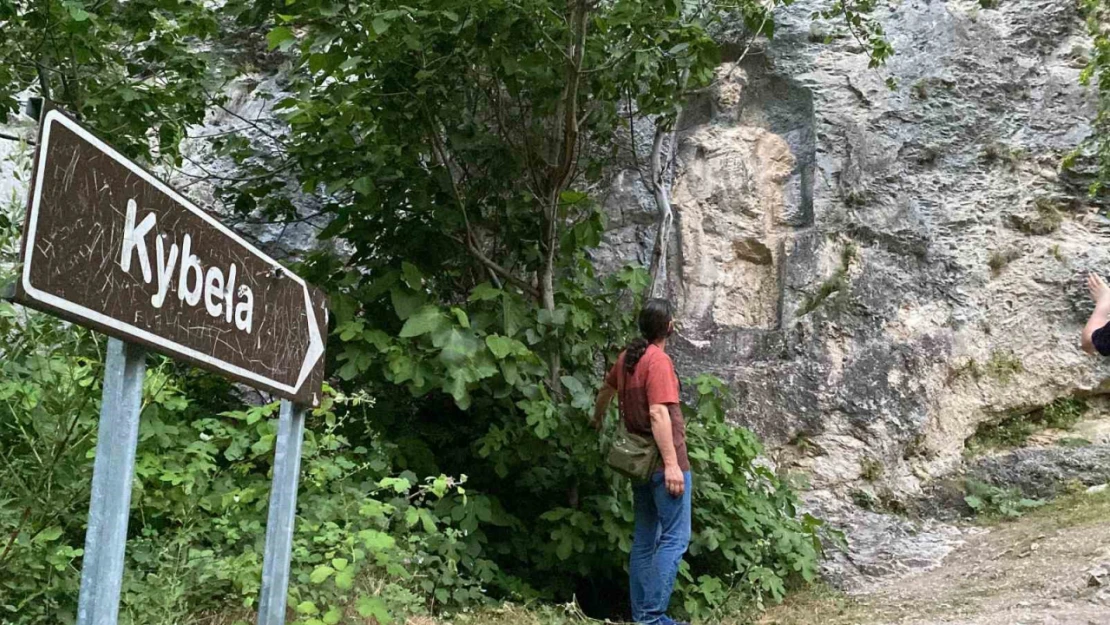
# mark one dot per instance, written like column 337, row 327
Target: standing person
column 1096, row 334
column 645, row 383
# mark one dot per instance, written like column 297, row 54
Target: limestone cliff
column 876, row 272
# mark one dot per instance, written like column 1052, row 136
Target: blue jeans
column 659, row 541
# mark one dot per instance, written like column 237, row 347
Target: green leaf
column 345, row 580
column 456, row 387
column 405, row 302
column 412, row 276
column 321, row 574
column 379, row 26
column 363, row 185
column 484, row 292
column 503, row 346
column 398, row 484
column 49, row 535
column 340, row 564
column 573, row 384
column 376, row 541
column 549, row 318
column 280, row 37
column 373, row 607
column 332, row 616
column 307, row 607
column 427, row 319
column 461, row 316
column 572, row 197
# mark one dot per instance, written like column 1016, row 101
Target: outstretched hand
column 1099, row 290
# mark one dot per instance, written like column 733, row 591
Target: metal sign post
column 109, row 246
column 283, row 510
column 113, row 470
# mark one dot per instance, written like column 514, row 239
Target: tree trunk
column 547, row 292
column 563, row 174
column 660, row 189
column 661, row 192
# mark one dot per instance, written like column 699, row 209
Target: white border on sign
column 316, row 344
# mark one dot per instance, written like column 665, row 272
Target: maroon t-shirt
column 653, row 382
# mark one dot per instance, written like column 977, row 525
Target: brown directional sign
column 109, row 246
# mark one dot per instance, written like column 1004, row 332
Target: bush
column 201, row 495
column 481, row 404
column 367, row 541
column 750, row 538
column 1007, row 503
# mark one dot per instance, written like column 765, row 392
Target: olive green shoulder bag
column 632, row 455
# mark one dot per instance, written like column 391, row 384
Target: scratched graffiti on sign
column 110, row 246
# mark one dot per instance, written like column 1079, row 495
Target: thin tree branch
column 471, row 243
column 15, row 138
column 570, row 97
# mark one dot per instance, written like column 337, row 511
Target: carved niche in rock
column 730, row 198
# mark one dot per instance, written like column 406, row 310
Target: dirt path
column 1031, row 571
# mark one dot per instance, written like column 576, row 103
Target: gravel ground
column 1032, row 571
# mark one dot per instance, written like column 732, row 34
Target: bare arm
column 1100, row 293
column 664, row 439
column 601, row 405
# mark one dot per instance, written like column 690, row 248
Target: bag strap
column 622, row 384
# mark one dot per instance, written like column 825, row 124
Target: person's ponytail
column 655, row 323
column 633, row 353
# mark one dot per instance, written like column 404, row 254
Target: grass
column 871, row 469
column 999, row 259
column 1070, row 511
column 1003, row 366
column 835, row 283
column 513, row 614
column 969, row 368
column 820, row 605
column 1015, row 430
column 1073, row 442
column 999, row 153
column 920, row 90
column 1045, row 219
column 504, row 614
column 997, row 504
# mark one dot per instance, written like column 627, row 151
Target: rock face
column 876, row 272
column 1046, row 471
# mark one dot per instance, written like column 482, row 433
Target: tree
column 457, row 148
column 132, row 69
